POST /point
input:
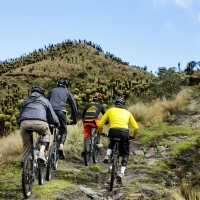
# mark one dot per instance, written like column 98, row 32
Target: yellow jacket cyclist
column 119, row 119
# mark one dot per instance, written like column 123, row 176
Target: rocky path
column 143, row 179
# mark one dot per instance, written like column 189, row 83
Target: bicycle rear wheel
column 50, row 163
column 27, row 176
column 40, row 175
column 87, row 151
column 114, row 161
column 96, row 151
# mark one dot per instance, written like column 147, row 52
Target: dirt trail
column 142, row 179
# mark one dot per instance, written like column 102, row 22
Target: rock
column 150, row 152
column 139, row 152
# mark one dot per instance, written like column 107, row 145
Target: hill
column 82, row 63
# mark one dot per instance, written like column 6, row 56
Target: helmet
column 119, row 100
column 97, row 95
column 37, row 88
column 62, row 81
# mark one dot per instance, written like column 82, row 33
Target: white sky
column 152, row 33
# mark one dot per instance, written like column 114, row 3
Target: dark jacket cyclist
column 119, row 118
column 59, row 97
column 36, row 112
column 90, row 115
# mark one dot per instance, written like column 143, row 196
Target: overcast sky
column 152, row 33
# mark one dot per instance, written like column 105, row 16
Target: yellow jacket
column 118, row 118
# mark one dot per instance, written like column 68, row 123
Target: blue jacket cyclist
column 36, row 112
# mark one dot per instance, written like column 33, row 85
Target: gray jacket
column 59, row 97
column 37, row 107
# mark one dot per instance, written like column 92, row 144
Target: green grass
column 75, row 176
column 49, row 190
column 95, row 168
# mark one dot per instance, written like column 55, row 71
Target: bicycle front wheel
column 27, row 176
column 113, row 170
column 87, row 151
column 96, row 151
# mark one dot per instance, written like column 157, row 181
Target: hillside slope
column 86, row 68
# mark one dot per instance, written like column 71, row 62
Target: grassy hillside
column 83, row 64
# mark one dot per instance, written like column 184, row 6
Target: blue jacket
column 36, row 107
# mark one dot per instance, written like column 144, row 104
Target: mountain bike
column 31, row 167
column 53, row 155
column 91, row 149
column 114, row 162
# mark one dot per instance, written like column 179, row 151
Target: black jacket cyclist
column 59, row 97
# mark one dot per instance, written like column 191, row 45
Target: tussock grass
column 148, row 114
column 74, row 141
column 178, row 104
column 185, row 193
column 11, row 145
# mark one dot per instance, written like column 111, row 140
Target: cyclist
column 59, row 97
column 119, row 118
column 36, row 112
column 90, row 116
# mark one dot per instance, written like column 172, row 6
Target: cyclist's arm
column 102, row 122
column 134, row 125
column 73, row 107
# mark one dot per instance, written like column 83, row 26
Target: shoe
column 106, row 159
column 119, row 178
column 41, row 158
column 82, row 153
column 61, row 153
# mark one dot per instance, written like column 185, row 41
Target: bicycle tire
column 113, row 170
column 50, row 163
column 87, row 151
column 40, row 175
column 27, row 176
column 96, row 152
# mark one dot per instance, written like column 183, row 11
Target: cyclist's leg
column 25, row 136
column 42, row 128
column 124, row 148
column 112, row 135
column 62, row 129
column 86, row 133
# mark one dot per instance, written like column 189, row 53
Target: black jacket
column 59, row 97
column 37, row 107
column 92, row 110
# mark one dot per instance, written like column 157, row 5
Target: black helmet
column 61, row 82
column 119, row 100
column 37, row 88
